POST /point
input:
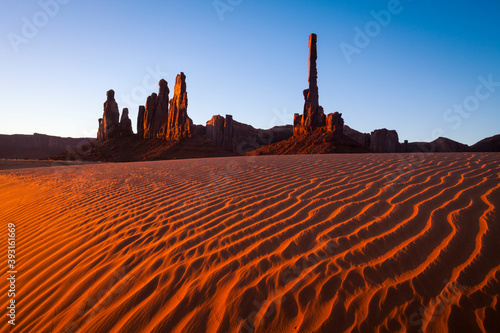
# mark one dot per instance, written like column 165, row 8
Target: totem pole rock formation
column 314, row 115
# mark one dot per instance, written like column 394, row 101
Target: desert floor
column 327, row 243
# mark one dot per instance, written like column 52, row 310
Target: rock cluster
column 110, row 125
column 314, row 115
column 154, row 121
column 159, row 118
column 163, row 118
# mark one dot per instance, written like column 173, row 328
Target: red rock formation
column 140, row 121
column 240, row 138
column 228, row 133
column 313, row 116
column 156, row 113
column 162, row 110
column 215, row 130
column 179, row 124
column 198, row 130
column 335, row 123
column 100, row 131
column 125, row 125
column 384, row 141
column 316, row 142
column 163, row 118
column 150, row 116
column 111, row 116
column 361, row 138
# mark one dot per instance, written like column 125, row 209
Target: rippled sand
column 327, row 243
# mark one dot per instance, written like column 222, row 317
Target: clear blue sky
column 249, row 59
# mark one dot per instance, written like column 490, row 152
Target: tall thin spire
column 313, row 56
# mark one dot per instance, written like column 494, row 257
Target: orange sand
column 327, row 243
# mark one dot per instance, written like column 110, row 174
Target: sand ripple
column 327, row 243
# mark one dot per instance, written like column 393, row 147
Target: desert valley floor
column 305, row 243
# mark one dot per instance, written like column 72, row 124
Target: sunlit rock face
column 163, row 118
column 335, row 123
column 179, row 124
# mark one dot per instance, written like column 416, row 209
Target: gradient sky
column 249, row 59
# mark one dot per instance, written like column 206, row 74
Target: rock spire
column 314, row 115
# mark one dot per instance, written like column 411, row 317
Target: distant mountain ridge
column 491, row 144
column 388, row 142
column 36, row 146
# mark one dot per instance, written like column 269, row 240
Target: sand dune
column 327, row 243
